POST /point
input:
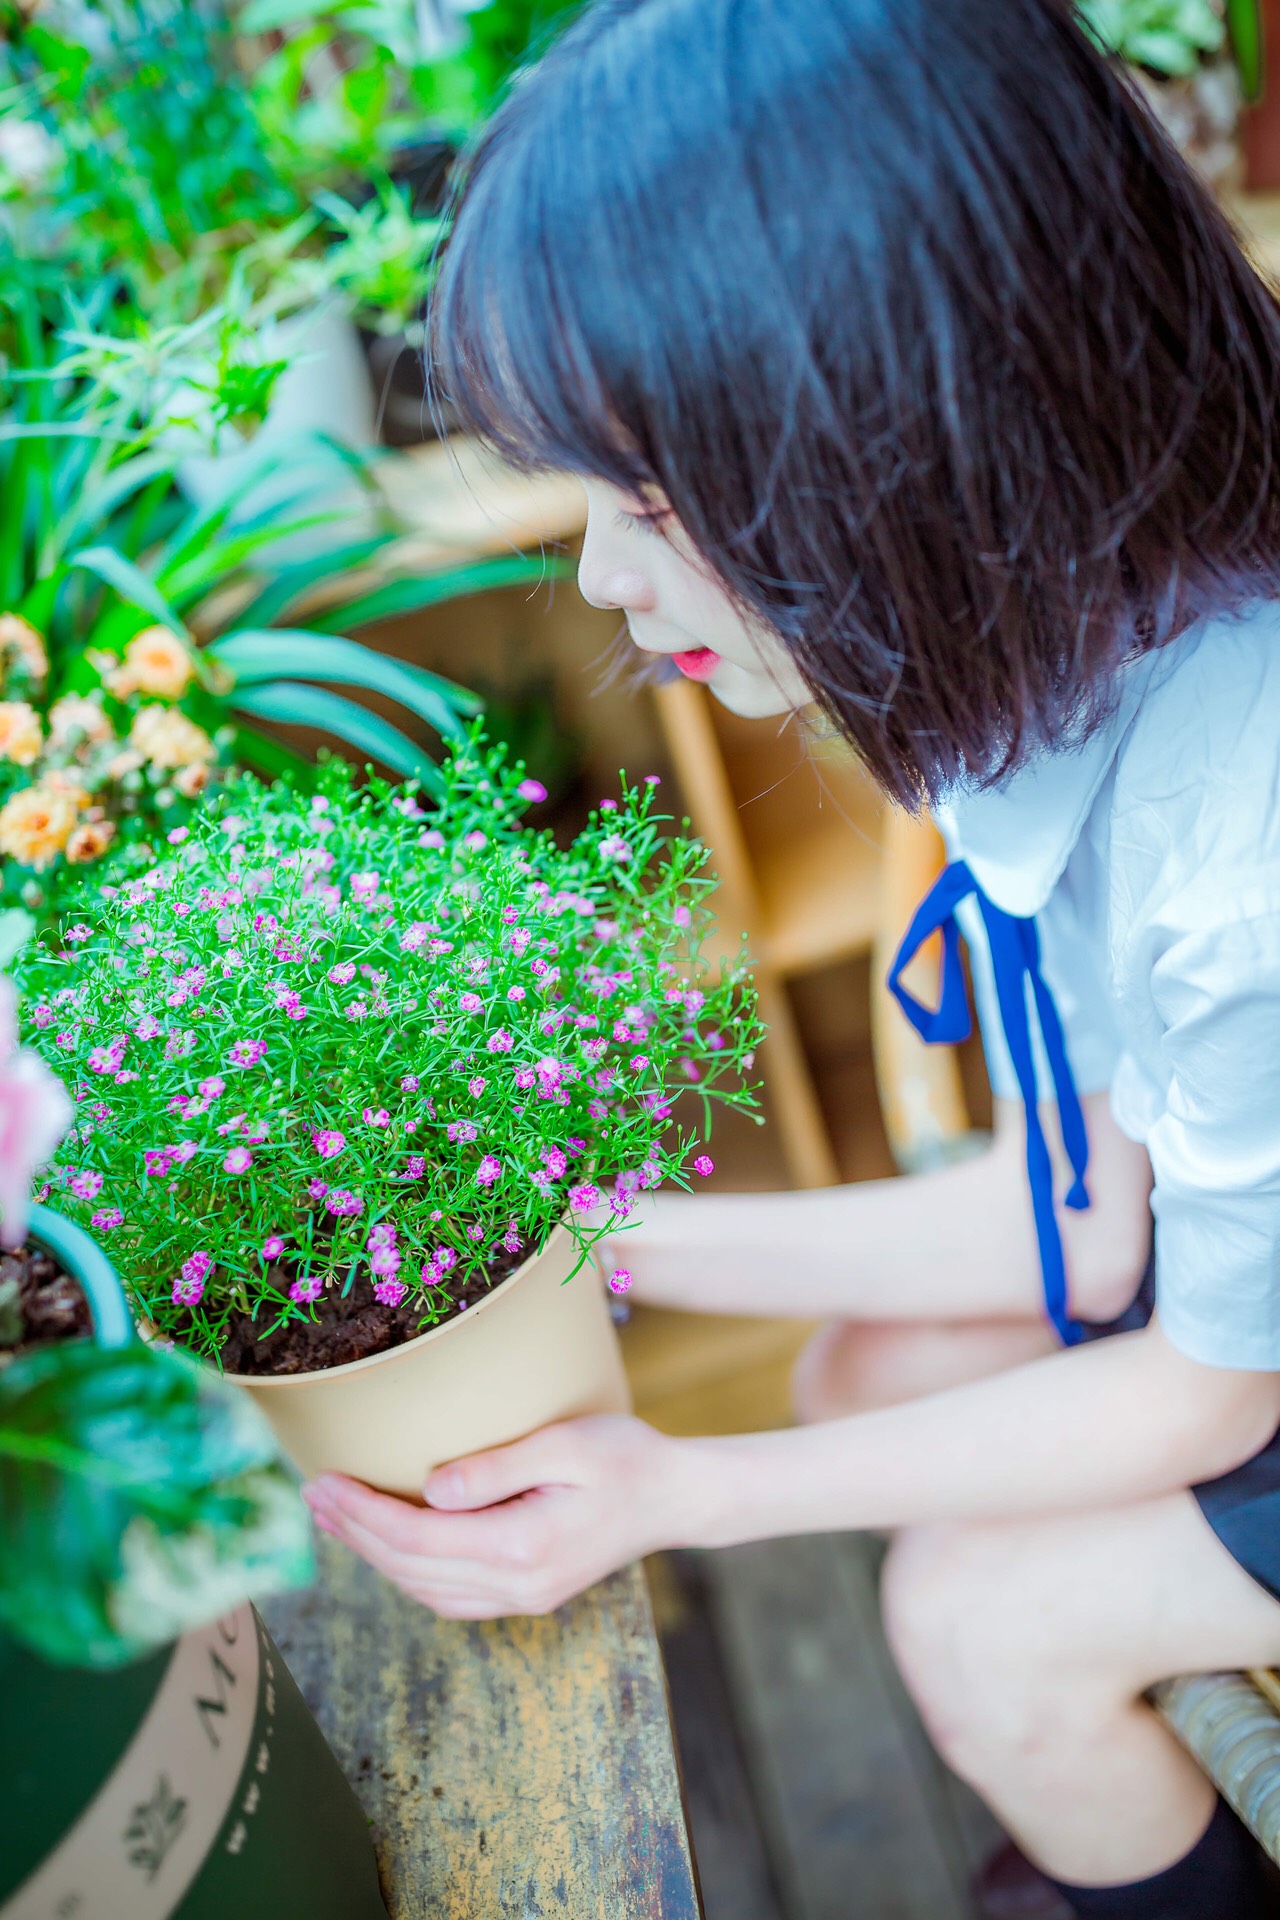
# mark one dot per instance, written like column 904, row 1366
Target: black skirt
column 1243, row 1506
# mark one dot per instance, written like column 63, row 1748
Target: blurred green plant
column 139, row 1496
column 1173, row 38
column 143, row 640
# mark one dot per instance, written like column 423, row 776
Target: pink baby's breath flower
column 184, row 1151
column 431, row 839
column 87, row 1185
column 365, row 885
column 554, row 1162
column 583, row 1198
column 247, row 1053
column 515, row 993
column 715, row 1041
column 42, row 1015
column 328, row 1142
column 652, row 780
column 106, row 1219
column 690, row 1070
column 682, row 917
column 415, row 1167
column 475, row 838
column 272, row 1247
column 385, row 1261
column 608, row 806
column 105, row 1059
column 476, row 1086
column 176, row 835
column 382, row 1234
column 704, row 1165
column 239, row 1160
column 376, row 1117
column 524, row 1077
column 187, row 1293
column 343, row 973
column 614, row 847
column 471, row 1003
column 410, row 1083
column 462, row 1131
column 619, row 1280
column 639, row 1061
column 511, row 1238
column 196, row 1267
column 532, row 791
column 156, row 1162
column 597, row 1110
column 213, row 1086
column 74, row 935
column 489, row 1170
column 389, row 1293
column 500, row 1041
column 306, row 1290
column 343, row 1204
column 475, row 1231
column 317, row 1189
column 415, row 936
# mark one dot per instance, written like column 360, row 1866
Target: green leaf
column 139, row 1495
column 303, row 706
column 129, row 582
column 297, row 577
column 429, row 590
column 16, row 928
column 253, row 655
column 94, row 506
column 1244, row 26
column 258, row 750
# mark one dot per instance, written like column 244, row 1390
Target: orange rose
column 19, row 642
column 35, row 826
column 20, row 735
column 168, row 739
column 155, row 661
column 89, row 841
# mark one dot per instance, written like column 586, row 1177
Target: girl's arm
column 523, row 1528
column 958, row 1243
column 1123, row 1419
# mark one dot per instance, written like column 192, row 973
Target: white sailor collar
column 1018, row 836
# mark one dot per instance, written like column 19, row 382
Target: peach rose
column 35, row 826
column 72, row 715
column 167, row 738
column 20, row 642
column 189, row 781
column 20, row 735
column 156, row 662
column 89, row 841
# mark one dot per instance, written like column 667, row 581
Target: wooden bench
column 508, row 1768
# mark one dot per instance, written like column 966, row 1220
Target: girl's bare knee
column 845, row 1368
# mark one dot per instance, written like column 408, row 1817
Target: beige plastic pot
column 539, row 1348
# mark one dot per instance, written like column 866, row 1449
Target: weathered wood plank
column 848, row 1791
column 511, row 1770
column 724, row 1822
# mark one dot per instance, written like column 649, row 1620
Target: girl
column 913, row 377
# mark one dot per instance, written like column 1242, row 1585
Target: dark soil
column 346, row 1327
column 39, row 1303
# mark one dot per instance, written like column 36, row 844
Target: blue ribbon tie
column 1015, row 957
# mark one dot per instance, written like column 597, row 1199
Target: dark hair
column 950, row 367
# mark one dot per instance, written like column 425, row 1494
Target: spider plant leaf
column 428, row 590
column 299, row 705
column 253, row 656
column 129, row 581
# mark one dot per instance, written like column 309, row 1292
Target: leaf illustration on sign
column 155, row 1825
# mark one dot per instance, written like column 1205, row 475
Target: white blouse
column 1150, row 857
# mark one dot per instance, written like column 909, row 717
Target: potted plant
column 1196, row 62
column 361, row 1083
column 160, row 1760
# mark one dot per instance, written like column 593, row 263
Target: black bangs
column 951, row 370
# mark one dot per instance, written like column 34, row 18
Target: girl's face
column 637, row 557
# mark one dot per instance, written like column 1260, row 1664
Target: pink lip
column 700, row 664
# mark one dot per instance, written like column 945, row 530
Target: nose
column 607, row 587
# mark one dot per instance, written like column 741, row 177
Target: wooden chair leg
column 921, row 1095
column 789, row 1088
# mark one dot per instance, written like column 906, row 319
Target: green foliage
column 1173, row 37
column 342, row 1040
column 120, row 603
column 139, row 1496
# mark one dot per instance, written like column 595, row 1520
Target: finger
column 410, row 1569
column 492, row 1538
column 545, row 1458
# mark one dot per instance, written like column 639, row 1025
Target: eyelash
column 645, row 522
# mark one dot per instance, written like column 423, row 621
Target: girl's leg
column 1027, row 1648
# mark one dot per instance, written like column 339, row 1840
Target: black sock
column 1222, row 1878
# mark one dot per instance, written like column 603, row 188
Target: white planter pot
column 326, row 390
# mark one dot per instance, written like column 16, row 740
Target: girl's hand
column 523, row 1528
